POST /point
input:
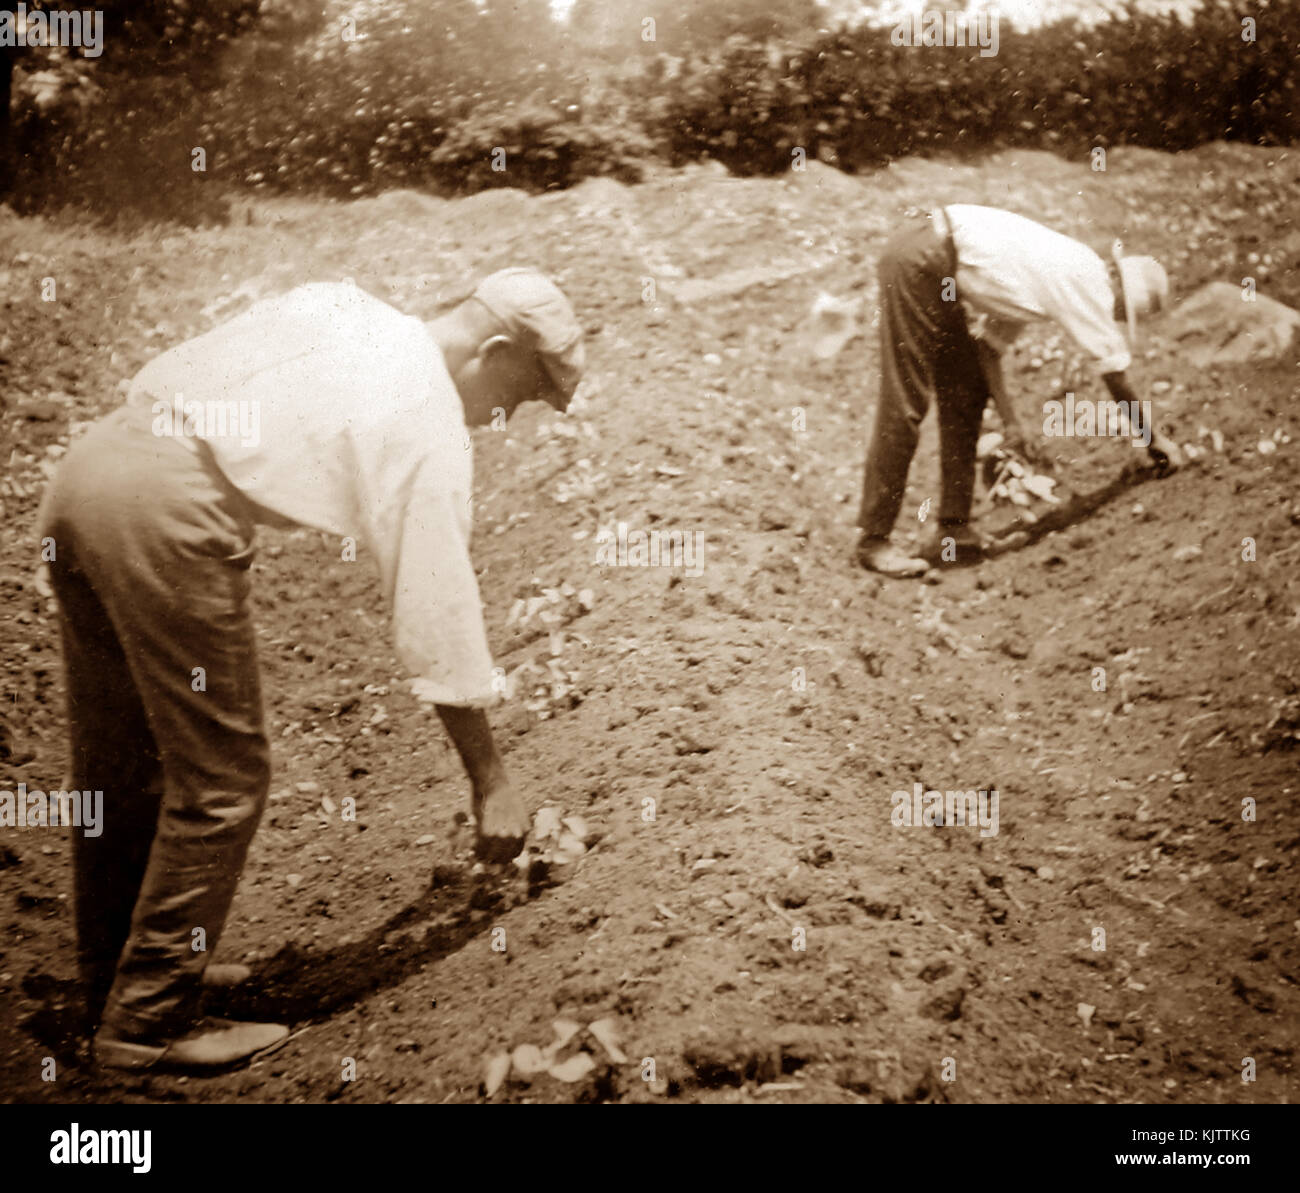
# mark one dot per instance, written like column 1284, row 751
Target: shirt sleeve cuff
column 430, row 691
column 1114, row 364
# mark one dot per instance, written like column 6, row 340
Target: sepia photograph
column 650, row 552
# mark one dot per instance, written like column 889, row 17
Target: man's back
column 1012, row 270
column 332, row 390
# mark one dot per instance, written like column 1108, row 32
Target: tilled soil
column 747, row 914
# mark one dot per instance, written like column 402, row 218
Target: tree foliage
column 351, row 98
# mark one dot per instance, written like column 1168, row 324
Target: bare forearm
column 471, row 734
column 1120, row 389
column 991, row 364
column 1163, row 450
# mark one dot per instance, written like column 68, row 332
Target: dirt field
column 733, row 737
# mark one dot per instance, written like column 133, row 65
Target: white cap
column 1144, row 284
column 535, row 312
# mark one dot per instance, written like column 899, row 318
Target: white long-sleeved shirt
column 1012, row 271
column 350, row 424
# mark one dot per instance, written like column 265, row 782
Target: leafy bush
column 1150, row 79
column 432, row 90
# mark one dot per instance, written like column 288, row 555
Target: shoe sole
column 909, row 574
column 163, row 1064
column 195, row 1070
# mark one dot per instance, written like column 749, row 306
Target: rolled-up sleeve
column 1084, row 306
column 422, row 542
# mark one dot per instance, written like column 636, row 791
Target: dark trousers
column 152, row 551
column 925, row 350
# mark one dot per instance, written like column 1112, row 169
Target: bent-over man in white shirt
column 956, row 289
column 326, row 408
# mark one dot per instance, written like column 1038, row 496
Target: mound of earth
column 746, row 919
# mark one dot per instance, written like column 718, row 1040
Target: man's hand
column 1165, row 454
column 1163, row 451
column 499, row 814
column 1013, row 435
column 501, row 820
column 1031, row 452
